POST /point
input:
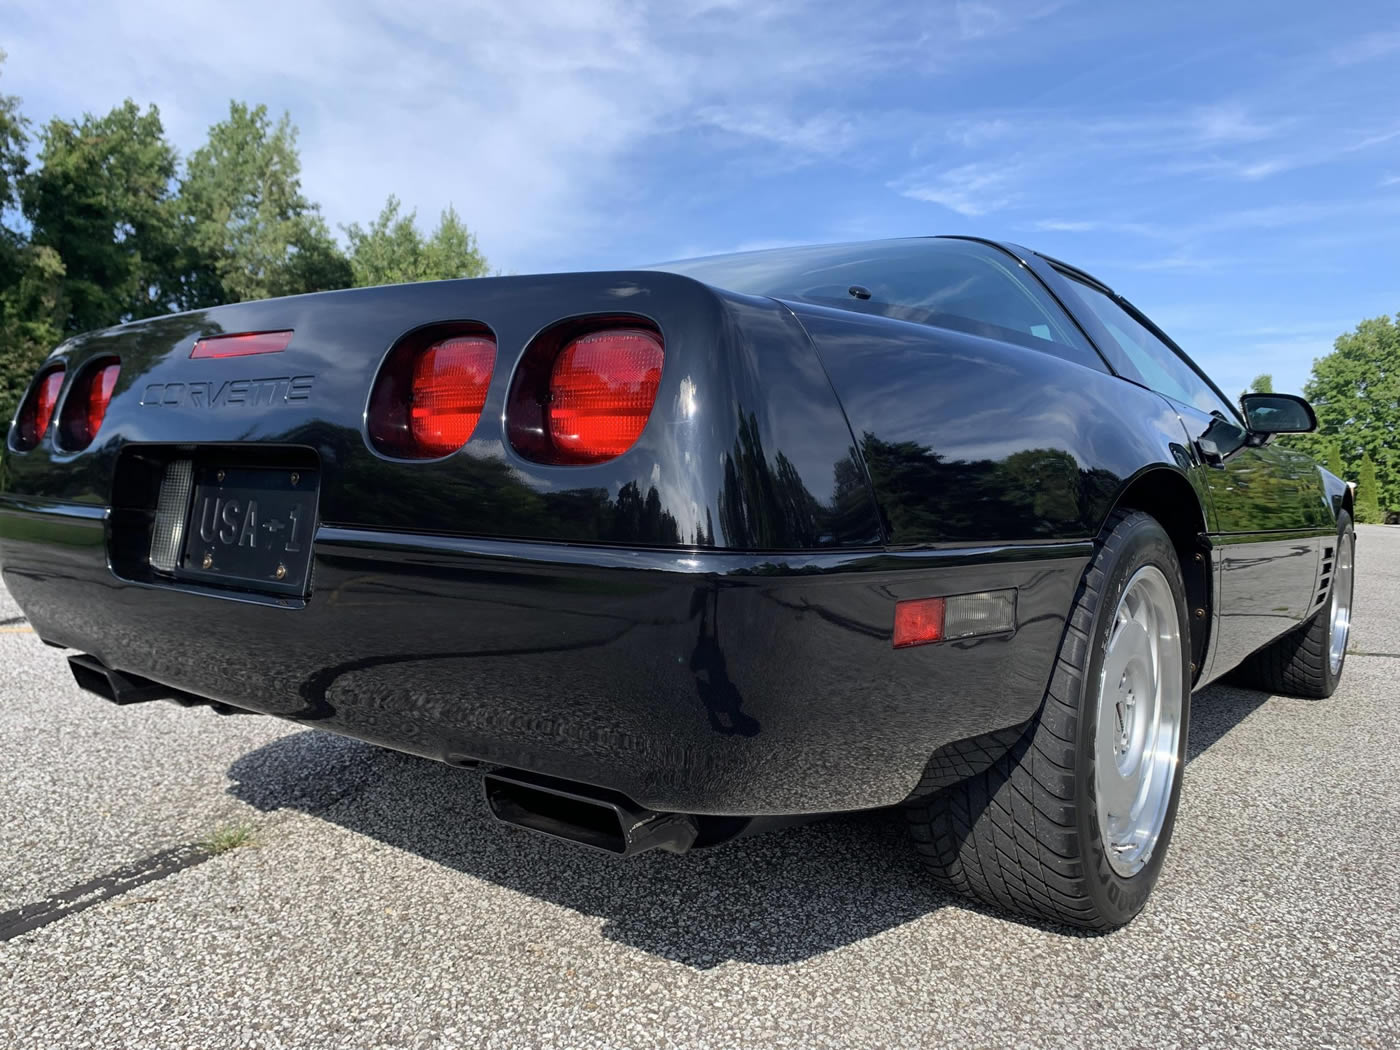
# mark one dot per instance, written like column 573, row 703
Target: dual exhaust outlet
column 605, row 820
column 118, row 687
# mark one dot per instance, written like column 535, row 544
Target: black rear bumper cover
column 697, row 682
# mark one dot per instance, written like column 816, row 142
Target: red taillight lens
column 918, row 622
column 242, row 344
column 450, row 380
column 46, row 400
column 601, row 392
column 36, row 412
column 87, row 403
column 428, row 399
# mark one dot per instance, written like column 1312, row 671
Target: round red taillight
column 36, row 412
column 87, row 403
column 601, row 392
column 584, row 390
column 430, row 395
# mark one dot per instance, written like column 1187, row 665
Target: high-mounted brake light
column 36, row 412
column 601, row 393
column 242, row 344
column 87, row 403
column 428, row 398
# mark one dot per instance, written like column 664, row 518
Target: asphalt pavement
column 372, row 903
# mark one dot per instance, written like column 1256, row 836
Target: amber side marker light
column 242, row 344
column 920, row 621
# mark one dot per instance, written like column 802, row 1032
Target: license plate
column 251, row 528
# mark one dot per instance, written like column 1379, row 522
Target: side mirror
column 1278, row 414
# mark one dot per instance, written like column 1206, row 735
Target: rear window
column 963, row 285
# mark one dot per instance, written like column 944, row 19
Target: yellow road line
column 23, row 628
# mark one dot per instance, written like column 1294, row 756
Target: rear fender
column 970, row 440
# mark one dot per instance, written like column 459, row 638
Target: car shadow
column 776, row 898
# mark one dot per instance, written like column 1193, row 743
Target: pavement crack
column 29, row 917
column 1387, row 656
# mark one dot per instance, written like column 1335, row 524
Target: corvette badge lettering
column 249, row 393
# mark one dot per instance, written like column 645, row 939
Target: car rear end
column 610, row 528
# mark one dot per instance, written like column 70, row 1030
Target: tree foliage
column 1355, row 391
column 1334, row 460
column 30, row 276
column 109, row 227
column 393, row 251
column 12, row 142
column 100, row 198
column 250, row 231
column 1368, row 508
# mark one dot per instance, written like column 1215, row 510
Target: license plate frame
column 251, row 528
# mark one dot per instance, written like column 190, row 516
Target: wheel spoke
column 1141, row 695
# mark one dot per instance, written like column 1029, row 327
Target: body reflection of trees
column 1038, row 492
column 763, row 504
column 486, row 497
column 767, row 506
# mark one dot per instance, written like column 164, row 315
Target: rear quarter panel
column 972, row 440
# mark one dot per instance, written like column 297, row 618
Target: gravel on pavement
column 378, row 906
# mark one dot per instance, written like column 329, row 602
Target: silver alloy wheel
column 1341, row 601
column 1139, row 721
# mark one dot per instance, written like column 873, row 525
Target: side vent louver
column 1324, row 583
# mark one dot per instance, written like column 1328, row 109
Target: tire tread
column 1008, row 835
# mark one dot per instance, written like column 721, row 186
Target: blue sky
column 1232, row 167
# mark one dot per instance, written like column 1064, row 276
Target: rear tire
column 1029, row 834
column 1308, row 660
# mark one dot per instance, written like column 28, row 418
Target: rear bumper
column 707, row 683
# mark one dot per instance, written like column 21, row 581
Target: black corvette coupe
column 679, row 553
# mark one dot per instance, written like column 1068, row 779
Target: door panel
column 1269, row 520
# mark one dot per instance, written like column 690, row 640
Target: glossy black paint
column 1269, row 512
column 703, row 623
column 699, row 682
column 971, row 440
column 722, row 462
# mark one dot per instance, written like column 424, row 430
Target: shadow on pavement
column 780, row 897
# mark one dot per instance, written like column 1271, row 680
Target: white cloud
column 1367, row 47
column 1228, row 122
column 971, row 189
column 822, row 134
column 1136, row 229
column 980, row 132
column 526, row 117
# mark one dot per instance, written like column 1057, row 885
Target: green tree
column 12, row 166
column 101, row 200
column 1263, row 383
column 12, row 159
column 30, row 277
column 393, row 251
column 250, row 231
column 1356, row 393
column 1368, row 508
column 1334, row 460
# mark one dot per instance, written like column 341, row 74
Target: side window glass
column 1159, row 365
